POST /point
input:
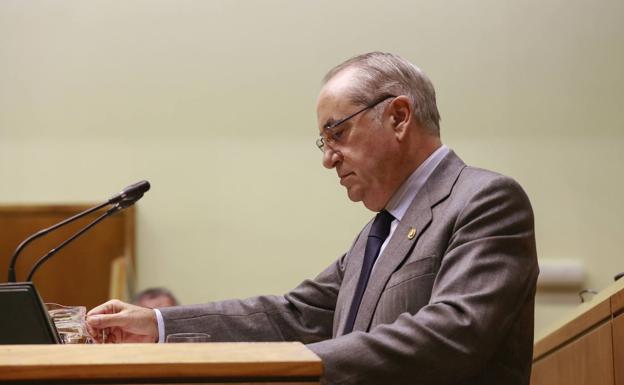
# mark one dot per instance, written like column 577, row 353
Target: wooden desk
column 587, row 346
column 283, row 363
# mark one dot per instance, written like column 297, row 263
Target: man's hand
column 117, row 322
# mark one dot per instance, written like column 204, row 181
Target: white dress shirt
column 403, row 197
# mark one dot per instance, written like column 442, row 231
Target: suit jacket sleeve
column 305, row 314
column 486, row 273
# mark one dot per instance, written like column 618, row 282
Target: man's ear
column 400, row 115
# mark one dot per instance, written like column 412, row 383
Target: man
column 438, row 289
column 155, row 297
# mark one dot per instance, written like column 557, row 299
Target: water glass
column 70, row 322
column 188, row 338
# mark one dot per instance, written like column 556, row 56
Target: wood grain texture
column 160, row 362
column 617, row 302
column 618, row 349
column 80, row 273
column 580, row 320
column 580, row 323
column 586, row 361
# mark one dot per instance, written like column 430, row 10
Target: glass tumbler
column 70, row 322
column 187, row 338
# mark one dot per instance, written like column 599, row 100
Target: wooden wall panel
column 617, row 302
column 585, row 361
column 80, row 273
column 618, row 349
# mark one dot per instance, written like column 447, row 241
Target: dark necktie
column 378, row 233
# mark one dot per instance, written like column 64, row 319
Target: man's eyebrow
column 329, row 122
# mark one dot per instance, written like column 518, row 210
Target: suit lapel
column 417, row 217
column 352, row 273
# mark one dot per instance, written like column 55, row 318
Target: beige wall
column 213, row 102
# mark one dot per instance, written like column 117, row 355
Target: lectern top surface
column 143, row 361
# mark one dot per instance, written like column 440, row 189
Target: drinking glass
column 187, row 337
column 70, row 322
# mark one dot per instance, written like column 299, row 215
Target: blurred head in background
column 155, row 297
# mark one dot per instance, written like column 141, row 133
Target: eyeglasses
column 329, row 135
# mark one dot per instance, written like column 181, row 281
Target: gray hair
column 381, row 73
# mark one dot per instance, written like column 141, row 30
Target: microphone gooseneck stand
column 127, row 197
column 41, row 260
column 41, row 233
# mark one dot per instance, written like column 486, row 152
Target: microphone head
column 137, row 188
column 131, row 193
column 127, row 202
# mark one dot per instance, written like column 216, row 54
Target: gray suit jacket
column 452, row 305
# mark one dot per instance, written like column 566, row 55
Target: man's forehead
column 330, row 108
column 332, row 101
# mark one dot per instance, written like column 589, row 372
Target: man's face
column 157, row 301
column 365, row 152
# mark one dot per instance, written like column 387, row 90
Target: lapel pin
column 411, row 234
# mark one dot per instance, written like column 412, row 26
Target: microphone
column 126, row 198
column 133, row 192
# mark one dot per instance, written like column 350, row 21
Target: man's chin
column 354, row 194
column 357, row 195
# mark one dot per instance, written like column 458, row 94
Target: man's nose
column 331, row 158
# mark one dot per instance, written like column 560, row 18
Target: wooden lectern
column 587, row 346
column 283, row 363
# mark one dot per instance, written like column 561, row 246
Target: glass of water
column 70, row 323
column 187, row 337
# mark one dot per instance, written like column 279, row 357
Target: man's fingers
column 116, row 336
column 105, row 315
column 126, row 323
column 112, row 306
column 101, row 321
column 95, row 333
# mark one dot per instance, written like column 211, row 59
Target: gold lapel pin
column 412, row 233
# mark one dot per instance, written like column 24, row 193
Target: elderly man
column 437, row 289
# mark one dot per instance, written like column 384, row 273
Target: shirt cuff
column 161, row 326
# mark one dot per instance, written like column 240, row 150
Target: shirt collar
column 403, row 197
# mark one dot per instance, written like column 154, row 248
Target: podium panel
column 280, row 363
column 588, row 360
column 618, row 348
column 586, row 347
